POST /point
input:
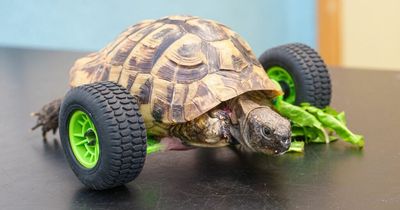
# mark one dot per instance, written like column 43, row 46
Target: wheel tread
column 121, row 114
column 317, row 79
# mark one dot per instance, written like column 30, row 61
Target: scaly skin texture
column 47, row 117
column 248, row 119
column 257, row 126
column 211, row 129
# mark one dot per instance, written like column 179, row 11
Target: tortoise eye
column 266, row 132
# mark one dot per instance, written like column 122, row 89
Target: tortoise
column 185, row 80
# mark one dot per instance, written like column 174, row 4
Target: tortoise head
column 266, row 131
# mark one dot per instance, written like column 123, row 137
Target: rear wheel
column 103, row 134
column 300, row 72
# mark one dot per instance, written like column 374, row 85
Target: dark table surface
column 35, row 175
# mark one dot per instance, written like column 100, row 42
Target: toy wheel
column 103, row 134
column 300, row 72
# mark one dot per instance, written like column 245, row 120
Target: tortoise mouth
column 272, row 152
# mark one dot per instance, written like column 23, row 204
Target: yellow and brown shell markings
column 180, row 67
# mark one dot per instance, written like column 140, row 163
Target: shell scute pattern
column 179, row 67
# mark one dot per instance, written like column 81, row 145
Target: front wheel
column 103, row 134
column 300, row 72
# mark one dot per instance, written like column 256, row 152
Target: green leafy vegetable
column 329, row 110
column 304, row 124
column 313, row 125
column 153, row 145
column 296, row 146
column 337, row 124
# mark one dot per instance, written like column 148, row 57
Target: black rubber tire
column 120, row 128
column 308, row 70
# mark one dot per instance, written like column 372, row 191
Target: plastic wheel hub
column 83, row 139
column 285, row 81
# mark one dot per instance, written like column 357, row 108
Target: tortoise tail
column 47, row 117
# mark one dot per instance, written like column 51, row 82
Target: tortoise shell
column 179, row 67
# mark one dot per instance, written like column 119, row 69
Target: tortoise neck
column 241, row 107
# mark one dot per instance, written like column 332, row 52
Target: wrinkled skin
column 266, row 131
column 47, row 117
column 247, row 119
column 256, row 126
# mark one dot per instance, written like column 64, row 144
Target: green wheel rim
column 83, row 139
column 285, row 82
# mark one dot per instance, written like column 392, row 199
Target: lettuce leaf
column 153, row 145
column 303, row 123
column 296, row 146
column 337, row 124
column 313, row 125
